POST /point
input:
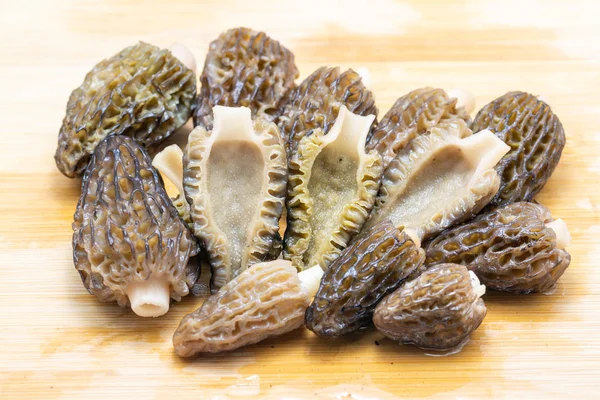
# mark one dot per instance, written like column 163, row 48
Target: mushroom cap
column 244, row 68
column 143, row 92
column 536, row 138
column 126, row 229
column 437, row 310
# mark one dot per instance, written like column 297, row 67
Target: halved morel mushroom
column 129, row 243
column 235, row 181
column 143, row 92
column 332, row 186
column 438, row 310
column 536, row 139
column 412, row 115
column 518, row 248
column 316, row 103
column 439, row 179
column 266, row 300
column 373, row 266
column 244, row 68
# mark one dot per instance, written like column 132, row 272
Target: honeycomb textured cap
column 536, row 138
column 315, row 103
column 265, row 300
column 512, row 248
column 373, row 266
column 412, row 115
column 126, row 229
column 244, row 68
column 437, row 310
column 142, row 92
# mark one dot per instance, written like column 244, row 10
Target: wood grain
column 57, row 341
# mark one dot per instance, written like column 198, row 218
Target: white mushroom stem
column 184, row 55
column 149, row 298
column 563, row 237
column 232, row 123
column 477, row 286
column 464, row 99
column 169, row 163
column 348, row 134
column 311, row 279
column 483, row 149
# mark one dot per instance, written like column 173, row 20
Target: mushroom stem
column 232, row 123
column 563, row 237
column 149, row 298
column 464, row 99
column 182, row 53
column 483, row 149
column 311, row 279
column 477, row 286
column 169, row 163
column 349, row 132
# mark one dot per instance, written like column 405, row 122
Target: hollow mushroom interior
column 235, row 180
column 332, row 185
column 435, row 182
column 447, row 181
column 334, row 178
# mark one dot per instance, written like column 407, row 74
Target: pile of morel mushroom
column 398, row 225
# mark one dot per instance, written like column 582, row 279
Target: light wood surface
column 57, row 341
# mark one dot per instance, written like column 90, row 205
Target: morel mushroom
column 244, row 68
column 439, row 179
column 518, row 248
column 235, row 181
column 333, row 182
column 143, row 92
column 536, row 139
column 268, row 299
column 438, row 310
column 129, row 243
column 373, row 266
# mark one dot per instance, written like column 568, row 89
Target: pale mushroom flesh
column 235, row 179
column 440, row 179
column 332, row 187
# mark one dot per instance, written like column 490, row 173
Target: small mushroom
column 517, row 248
column 437, row 310
column 372, row 267
column 536, row 138
column 248, row 69
column 143, row 92
column 129, row 243
column 266, row 300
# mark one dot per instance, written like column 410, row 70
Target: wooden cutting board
column 57, row 341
